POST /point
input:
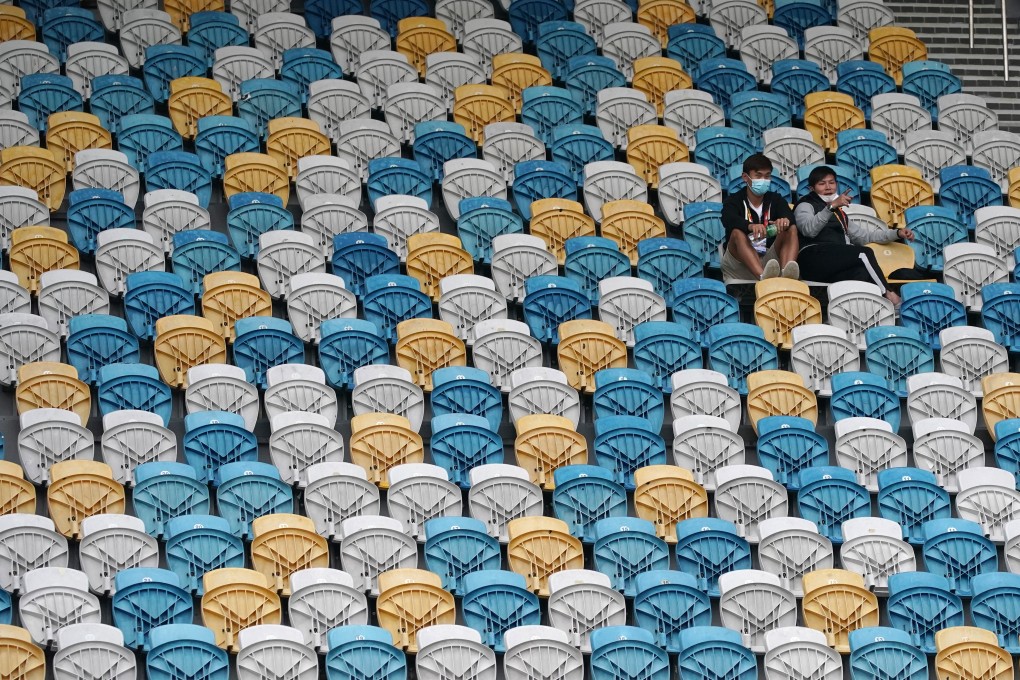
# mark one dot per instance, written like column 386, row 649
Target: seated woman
column 832, row 248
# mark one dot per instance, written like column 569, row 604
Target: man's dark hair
column 757, row 162
column 818, row 174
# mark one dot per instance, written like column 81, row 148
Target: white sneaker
column 771, row 270
column 791, row 271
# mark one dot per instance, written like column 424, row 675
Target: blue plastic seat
column 627, row 392
column 546, row 107
column 90, row 211
column 390, row 12
column 722, row 78
column 692, row 44
column 209, row 31
column 755, row 112
column 152, row 295
column 794, row 79
column 466, row 390
column 550, row 301
column 305, row 65
column 63, row 26
column 880, row 653
column 496, row 601
column 796, row 16
column 911, row 497
column 704, row 231
column 461, row 442
column 541, row 179
column 263, row 99
column 184, row 650
column 197, row 544
column 921, row 605
column 349, row 344
column 136, row 387
column 163, row 491
column 737, row 349
column 45, row 93
column 6, row 608
column 34, row 9
column 438, row 141
column 164, row 63
column 591, row 259
column 114, row 97
column 199, row 252
column 248, row 490
column 456, row 547
column 661, row 348
column 482, row 219
column 627, row 652
column 143, row 134
column 896, row 353
column 585, row 494
column 357, row 256
column 220, row 136
column 720, row 148
column 253, row 214
column 846, row 179
column 735, row 183
column 389, row 176
column 358, row 652
column 1007, row 446
column 575, row 145
column 996, row 607
column 392, row 298
column 862, row 80
column 662, row 261
column 934, row 228
column 858, row 394
column 965, row 188
column 527, row 15
column 829, row 496
column 930, row 308
column 146, row 598
column 587, row 75
column 708, row 547
column 263, row 342
column 929, row 80
column 788, row 445
column 860, row 151
column 669, row 602
column 320, row 14
column 96, row 340
column 711, row 652
column 625, row 443
column 558, row 42
column 958, row 550
column 1000, row 313
column 1016, row 264
column 627, row 547
column 179, row 170
column 215, row 438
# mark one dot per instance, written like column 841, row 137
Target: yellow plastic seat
column 180, row 11
column 655, row 76
column 894, row 188
column 229, row 296
column 667, row 494
column 284, row 543
column 893, row 256
column 1014, row 187
column 836, row 602
column 380, row 441
column 659, row 15
column 418, row 37
column 629, row 222
column 68, row 132
column 20, row 658
column 554, row 220
column 540, row 546
column 649, row 146
column 424, row 345
column 779, row 393
column 434, row 256
column 17, row 494
column 255, row 172
column 969, row 653
column 894, row 46
column 780, row 306
column 587, row 347
column 1001, row 399
column 409, row 600
column 236, row 599
column 769, row 6
column 36, row 250
column 183, row 342
column 38, row 169
column 294, row 138
column 475, row 106
column 515, row 72
column 826, row 114
column 80, row 489
column 48, row 384
column 14, row 25
column 192, row 98
column 546, row 443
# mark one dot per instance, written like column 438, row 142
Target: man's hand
column 756, row 231
column 842, row 200
column 905, row 234
column 782, row 224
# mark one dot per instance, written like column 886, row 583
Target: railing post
column 1005, row 45
column 970, row 18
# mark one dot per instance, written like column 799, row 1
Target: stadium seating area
column 387, row 344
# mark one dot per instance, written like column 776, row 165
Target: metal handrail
column 1005, row 44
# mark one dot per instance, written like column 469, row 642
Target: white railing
column 1005, row 44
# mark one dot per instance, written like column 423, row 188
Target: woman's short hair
column 820, row 173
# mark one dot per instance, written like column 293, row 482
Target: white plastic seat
column 970, row 353
column 830, row 46
column 131, row 438
column 896, row 115
column 388, row 389
column 143, row 28
column 378, row 69
column 121, row 252
column 500, row 493
column 485, row 38
column 746, row 495
column 501, row 347
column 860, row 16
column 235, row 64
column 468, row 178
column 790, row 547
column 20, row 58
column 66, row 293
column 819, row 351
column 683, row 183
column 730, row 17
column 331, row 101
column 606, row 181
column 106, row 169
column 25, row 338
column 335, row 492
column 754, row 602
column 270, row 651
column 450, row 651
column 507, row 144
column 326, row 215
column 856, row 306
column 15, row 130
column 791, row 649
column 372, row 544
column 595, row 15
column 939, row 395
column 300, row 440
column 169, row 211
column 92, row 650
column 408, row 104
column 762, row 46
column 322, row 599
column 456, row 13
column 326, row 175
column 285, row 254
column 419, row 492
column 626, row 301
column 14, row 299
column 399, row 217
column 55, row 597
column 997, row 151
column 86, row 60
column 580, row 601
column 964, row 115
column 467, row 299
column 999, row 227
column 298, row 387
column 539, row 390
column 874, row 548
column 20, row 207
column 864, row 215
column 515, row 258
column 688, row 111
column 353, row 35
column 618, row 109
column 28, row 542
column 315, row 297
column 449, row 70
column 112, row 543
column 249, row 11
column 359, row 141
column 791, row 149
column 51, row 435
column 627, row 41
column 930, row 151
column 704, row 444
column 699, row 391
column 989, row 497
column 222, row 387
column 944, row 447
column 112, row 11
column 867, row 446
column 277, row 32
column 534, row 652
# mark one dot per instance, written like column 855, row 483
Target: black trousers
column 832, row 262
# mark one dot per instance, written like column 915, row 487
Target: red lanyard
column 842, row 218
column 749, row 213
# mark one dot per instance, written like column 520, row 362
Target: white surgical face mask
column 828, row 198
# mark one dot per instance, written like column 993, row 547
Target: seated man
column 751, row 253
